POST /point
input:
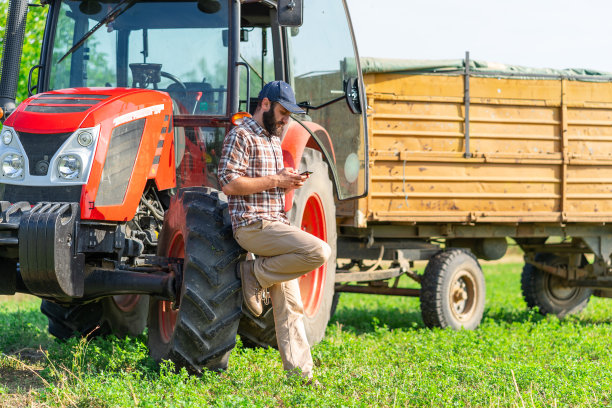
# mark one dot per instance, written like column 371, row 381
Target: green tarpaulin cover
column 457, row 66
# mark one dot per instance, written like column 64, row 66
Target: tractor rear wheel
column 549, row 292
column 315, row 212
column 122, row 316
column 453, row 291
column 202, row 332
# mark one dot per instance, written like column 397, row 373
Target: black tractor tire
column 125, row 315
column 453, row 291
column 76, row 320
column 318, row 193
column 548, row 292
column 258, row 331
column 202, row 332
column 334, row 306
column 100, row 318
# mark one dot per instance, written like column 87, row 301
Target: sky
column 536, row 33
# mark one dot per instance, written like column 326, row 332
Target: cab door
column 323, row 69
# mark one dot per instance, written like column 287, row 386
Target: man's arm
column 287, row 178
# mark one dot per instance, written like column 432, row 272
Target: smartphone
column 306, row 173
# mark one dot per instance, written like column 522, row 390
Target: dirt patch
column 20, row 380
column 19, row 401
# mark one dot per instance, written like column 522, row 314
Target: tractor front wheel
column 122, row 316
column 201, row 333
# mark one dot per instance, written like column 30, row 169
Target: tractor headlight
column 12, row 165
column 69, row 167
column 85, row 138
column 7, row 137
column 73, row 160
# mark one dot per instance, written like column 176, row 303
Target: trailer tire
column 202, row 332
column 453, row 291
column 547, row 291
column 311, row 203
column 99, row 318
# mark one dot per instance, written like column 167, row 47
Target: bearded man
column 252, row 175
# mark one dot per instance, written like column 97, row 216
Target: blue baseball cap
column 281, row 92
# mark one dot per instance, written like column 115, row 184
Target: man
column 251, row 174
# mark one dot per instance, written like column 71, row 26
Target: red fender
column 295, row 140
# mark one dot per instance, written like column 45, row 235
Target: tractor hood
column 67, row 110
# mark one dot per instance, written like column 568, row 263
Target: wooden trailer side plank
column 541, row 150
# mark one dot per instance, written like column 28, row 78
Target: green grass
column 376, row 353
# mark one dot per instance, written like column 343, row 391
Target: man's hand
column 289, row 179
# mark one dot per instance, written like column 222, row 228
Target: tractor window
column 93, row 63
column 322, row 61
column 256, row 51
column 166, row 45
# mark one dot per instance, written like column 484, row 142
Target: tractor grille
column 119, row 163
column 62, row 103
column 40, row 148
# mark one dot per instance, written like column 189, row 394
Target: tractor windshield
column 175, row 46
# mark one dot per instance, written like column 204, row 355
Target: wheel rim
column 126, row 303
column 312, row 283
column 166, row 314
column 463, row 295
column 558, row 290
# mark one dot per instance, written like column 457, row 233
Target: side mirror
column 290, row 13
column 351, row 93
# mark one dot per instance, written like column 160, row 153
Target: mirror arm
column 306, row 105
column 30, row 87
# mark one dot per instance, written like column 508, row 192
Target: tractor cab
column 213, row 57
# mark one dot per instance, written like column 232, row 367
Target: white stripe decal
column 139, row 114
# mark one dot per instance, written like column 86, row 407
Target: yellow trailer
column 467, row 154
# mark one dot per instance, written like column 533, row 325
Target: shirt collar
column 255, row 127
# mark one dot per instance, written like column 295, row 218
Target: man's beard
column 270, row 123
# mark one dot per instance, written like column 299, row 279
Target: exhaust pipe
column 11, row 56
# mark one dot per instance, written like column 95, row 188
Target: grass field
column 376, row 353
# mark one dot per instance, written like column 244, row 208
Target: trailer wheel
column 453, row 291
column 126, row 316
column 548, row 292
column 202, row 332
column 314, row 210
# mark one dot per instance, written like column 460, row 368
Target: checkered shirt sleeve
column 249, row 151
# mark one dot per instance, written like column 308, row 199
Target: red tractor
column 108, row 190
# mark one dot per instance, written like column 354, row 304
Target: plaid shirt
column 249, row 150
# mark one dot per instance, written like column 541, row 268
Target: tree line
column 30, row 57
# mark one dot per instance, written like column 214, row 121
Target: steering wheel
column 175, row 80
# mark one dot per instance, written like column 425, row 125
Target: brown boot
column 251, row 289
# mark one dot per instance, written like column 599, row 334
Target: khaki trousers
column 284, row 254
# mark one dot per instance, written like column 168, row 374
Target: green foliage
column 35, row 27
column 376, row 353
